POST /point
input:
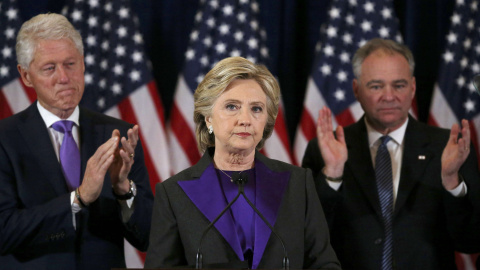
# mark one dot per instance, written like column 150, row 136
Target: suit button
column 378, row 241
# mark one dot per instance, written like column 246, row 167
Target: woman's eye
column 231, row 107
column 257, row 109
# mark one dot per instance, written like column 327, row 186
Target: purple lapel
column 269, row 193
column 208, row 196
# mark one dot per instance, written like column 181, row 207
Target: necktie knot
column 63, row 126
column 385, row 139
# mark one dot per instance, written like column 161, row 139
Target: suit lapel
column 42, row 148
column 360, row 162
column 416, row 156
column 270, row 188
column 207, row 195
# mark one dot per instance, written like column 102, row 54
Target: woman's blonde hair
column 214, row 85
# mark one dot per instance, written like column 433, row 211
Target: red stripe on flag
column 345, row 118
column 184, row 135
column 5, row 110
column 308, row 126
column 127, row 114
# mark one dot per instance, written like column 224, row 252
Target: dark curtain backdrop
column 293, row 29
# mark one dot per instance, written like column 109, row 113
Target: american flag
column 350, row 24
column 14, row 96
column 454, row 96
column 222, row 29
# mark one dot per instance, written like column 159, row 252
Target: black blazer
column 36, row 227
column 426, row 216
column 186, row 203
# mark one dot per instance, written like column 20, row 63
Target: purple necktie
column 69, row 154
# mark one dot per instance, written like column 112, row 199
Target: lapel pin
column 421, row 157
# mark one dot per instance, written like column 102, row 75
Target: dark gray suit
column 186, row 203
column 36, row 226
column 425, row 215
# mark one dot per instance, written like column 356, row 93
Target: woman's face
column 239, row 117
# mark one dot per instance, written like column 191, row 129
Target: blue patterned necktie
column 384, row 178
column 69, row 154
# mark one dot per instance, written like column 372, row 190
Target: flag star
column 254, row 6
column 204, row 60
column 12, row 14
column 342, row 76
column 214, row 4
column 91, row 41
column 254, row 25
column 10, row 33
column 347, row 38
column 211, row 22
column 76, row 15
column 474, row 5
column 460, row 2
column 221, row 48
column 456, row 19
column 398, row 38
column 3, row 71
column 234, row 53
column 366, row 26
column 122, row 31
column 137, row 38
column 353, row 2
column 116, row 89
column 252, row 43
column 104, row 64
column 467, row 44
column 224, row 29
column 252, row 59
column 469, row 105
column 345, row 57
column 118, row 69
column 207, row 42
column 88, row 78
column 331, row 31
column 464, row 62
column 7, row 52
column 475, row 68
column 107, row 26
column 92, row 21
column 334, row 13
column 89, row 59
column 369, row 7
column 339, row 95
column 471, row 88
column 361, row 43
column 194, row 35
column 241, row 17
column 326, row 70
column 452, row 38
column 137, row 56
column 264, row 52
column 448, row 56
column 471, row 24
column 102, row 83
column 105, row 45
column 199, row 78
column 123, row 12
column 386, row 13
column 198, row 16
column 263, row 34
column 477, row 49
column 190, row 54
column 383, row 32
column 328, row 50
column 108, row 7
column 460, row 81
column 93, row 3
column 350, row 19
column 244, row 2
column 135, row 76
column 238, row 36
column 101, row 103
column 227, row 10
column 120, row 50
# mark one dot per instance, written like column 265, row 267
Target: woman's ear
column 208, row 120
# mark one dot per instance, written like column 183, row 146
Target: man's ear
column 25, row 76
column 355, row 86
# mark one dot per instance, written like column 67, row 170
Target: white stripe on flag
column 16, row 97
column 179, row 159
column 184, row 102
column 274, row 148
column 440, row 111
column 132, row 259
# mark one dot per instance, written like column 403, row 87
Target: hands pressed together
column 109, row 157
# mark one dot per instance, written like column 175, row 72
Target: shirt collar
column 396, row 135
column 50, row 118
